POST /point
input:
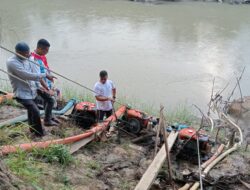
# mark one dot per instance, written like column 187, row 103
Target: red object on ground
column 85, row 106
column 139, row 115
column 96, row 128
column 5, row 97
column 187, row 133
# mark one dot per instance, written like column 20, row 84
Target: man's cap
column 22, row 47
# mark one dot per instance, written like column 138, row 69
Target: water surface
column 158, row 53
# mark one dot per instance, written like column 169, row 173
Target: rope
column 26, row 82
column 56, row 73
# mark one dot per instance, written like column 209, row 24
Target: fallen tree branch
column 195, row 186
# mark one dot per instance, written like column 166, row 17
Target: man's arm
column 19, row 71
column 103, row 98
column 44, row 85
column 98, row 95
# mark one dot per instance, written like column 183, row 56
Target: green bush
column 55, row 153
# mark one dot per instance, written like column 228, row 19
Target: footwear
column 50, row 123
column 56, row 120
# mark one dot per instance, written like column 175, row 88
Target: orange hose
column 43, row 144
column 8, row 96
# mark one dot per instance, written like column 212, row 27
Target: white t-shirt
column 104, row 90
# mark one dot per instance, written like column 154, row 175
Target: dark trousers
column 48, row 103
column 101, row 114
column 34, row 119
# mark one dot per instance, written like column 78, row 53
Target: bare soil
column 9, row 112
column 115, row 166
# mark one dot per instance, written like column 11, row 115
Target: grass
column 27, row 165
column 24, row 166
column 73, row 93
column 8, row 134
column 93, row 165
column 5, row 86
column 63, row 178
column 125, row 185
column 97, row 145
column 181, row 114
column 55, row 154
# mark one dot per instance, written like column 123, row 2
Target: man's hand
column 50, row 77
column 111, row 99
column 51, row 92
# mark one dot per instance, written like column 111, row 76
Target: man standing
column 21, row 70
column 44, row 86
column 105, row 94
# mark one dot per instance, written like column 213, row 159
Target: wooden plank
column 79, row 144
column 153, row 169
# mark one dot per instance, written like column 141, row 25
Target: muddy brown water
column 157, row 53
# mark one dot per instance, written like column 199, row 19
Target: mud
column 118, row 166
column 225, row 175
column 9, row 112
column 100, row 165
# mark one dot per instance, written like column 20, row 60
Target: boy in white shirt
column 105, row 94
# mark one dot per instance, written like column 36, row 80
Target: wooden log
column 195, row 186
column 186, row 186
column 151, row 173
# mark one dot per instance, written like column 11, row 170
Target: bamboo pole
column 186, row 186
column 168, row 160
column 195, row 186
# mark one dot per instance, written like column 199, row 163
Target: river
column 165, row 53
